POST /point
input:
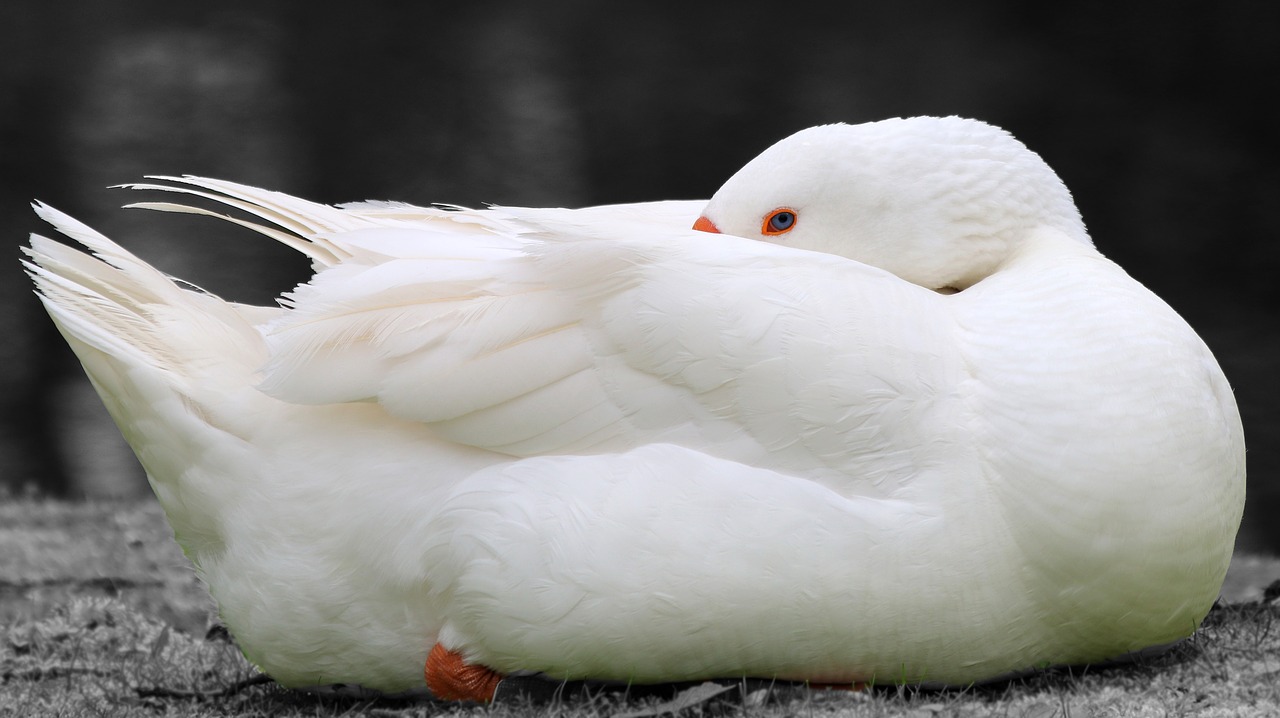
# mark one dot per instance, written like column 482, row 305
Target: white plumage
column 928, row 433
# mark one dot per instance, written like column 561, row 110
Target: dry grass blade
column 688, row 698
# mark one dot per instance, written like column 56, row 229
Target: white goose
column 922, row 432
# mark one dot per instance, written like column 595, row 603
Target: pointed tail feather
column 302, row 224
column 101, row 298
column 317, row 230
column 115, row 303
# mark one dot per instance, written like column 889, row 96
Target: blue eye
column 779, row 221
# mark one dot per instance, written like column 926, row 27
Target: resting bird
column 877, row 412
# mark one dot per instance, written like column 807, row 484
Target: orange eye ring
column 779, row 221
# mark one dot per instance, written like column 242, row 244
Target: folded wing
column 533, row 332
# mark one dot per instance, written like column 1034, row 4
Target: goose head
column 941, row 202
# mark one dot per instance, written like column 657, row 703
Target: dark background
column 1160, row 117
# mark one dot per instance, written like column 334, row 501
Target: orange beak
column 705, row 225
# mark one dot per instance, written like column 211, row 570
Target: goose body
column 924, row 433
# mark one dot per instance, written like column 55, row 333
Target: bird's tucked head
column 939, row 201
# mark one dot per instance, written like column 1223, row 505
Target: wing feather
column 577, row 341
column 544, row 331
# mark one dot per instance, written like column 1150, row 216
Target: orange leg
column 452, row 679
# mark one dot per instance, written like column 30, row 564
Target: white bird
column 889, row 417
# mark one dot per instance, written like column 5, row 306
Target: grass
column 100, row 615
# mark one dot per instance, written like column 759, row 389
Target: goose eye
column 779, row 221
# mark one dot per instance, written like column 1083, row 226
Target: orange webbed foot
column 451, row 678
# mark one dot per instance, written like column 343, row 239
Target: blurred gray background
column 1160, row 117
